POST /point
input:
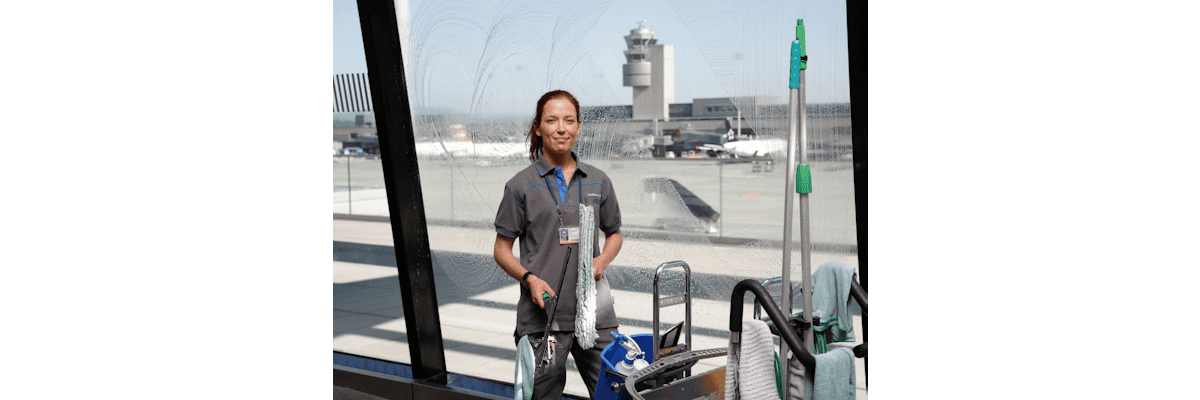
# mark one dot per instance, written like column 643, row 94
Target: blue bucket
column 615, row 354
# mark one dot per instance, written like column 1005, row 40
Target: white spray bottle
column 634, row 357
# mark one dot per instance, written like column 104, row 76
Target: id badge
column 568, row 235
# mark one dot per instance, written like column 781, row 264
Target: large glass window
column 712, row 195
column 367, row 310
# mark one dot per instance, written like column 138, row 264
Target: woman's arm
column 612, row 246
column 510, row 264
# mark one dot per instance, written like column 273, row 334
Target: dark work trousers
column 549, row 382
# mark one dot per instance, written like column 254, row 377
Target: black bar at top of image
column 402, row 180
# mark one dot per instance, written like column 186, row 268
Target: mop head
column 585, row 291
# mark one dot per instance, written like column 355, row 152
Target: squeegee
column 799, row 181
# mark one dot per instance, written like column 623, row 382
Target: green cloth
column 831, row 300
column 834, row 378
column 523, row 381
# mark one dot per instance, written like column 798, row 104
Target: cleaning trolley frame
column 712, row 382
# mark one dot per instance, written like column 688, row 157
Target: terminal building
column 360, row 136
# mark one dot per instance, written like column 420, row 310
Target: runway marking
column 749, row 194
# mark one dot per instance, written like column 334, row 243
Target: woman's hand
column 536, row 287
column 598, row 267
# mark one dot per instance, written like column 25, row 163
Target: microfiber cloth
column 751, row 369
column 523, row 381
column 585, row 291
column 834, row 376
column 831, row 300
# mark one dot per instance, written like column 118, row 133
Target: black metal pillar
column 385, row 68
column 856, row 43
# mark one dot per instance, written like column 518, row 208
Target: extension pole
column 797, row 132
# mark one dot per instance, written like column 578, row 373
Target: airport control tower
column 650, row 69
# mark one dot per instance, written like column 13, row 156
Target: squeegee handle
column 550, row 313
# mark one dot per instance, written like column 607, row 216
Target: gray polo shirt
column 528, row 213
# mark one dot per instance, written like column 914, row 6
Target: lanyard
column 554, row 195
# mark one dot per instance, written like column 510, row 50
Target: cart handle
column 859, row 294
column 666, row 363
column 686, row 298
column 856, row 291
column 769, row 282
column 762, row 297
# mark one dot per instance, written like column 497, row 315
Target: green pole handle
column 799, row 55
column 803, row 179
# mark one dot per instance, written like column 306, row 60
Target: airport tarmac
column 748, row 196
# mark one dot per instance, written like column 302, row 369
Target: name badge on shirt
column 568, row 235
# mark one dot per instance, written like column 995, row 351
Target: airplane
column 755, row 148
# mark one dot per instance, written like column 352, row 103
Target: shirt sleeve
column 610, row 211
column 510, row 217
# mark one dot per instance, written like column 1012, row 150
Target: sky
column 715, row 24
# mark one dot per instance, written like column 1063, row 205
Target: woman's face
column 558, row 127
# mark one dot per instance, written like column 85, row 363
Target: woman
column 541, row 207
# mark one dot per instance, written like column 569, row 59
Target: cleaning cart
column 712, row 383
column 668, row 376
column 621, row 358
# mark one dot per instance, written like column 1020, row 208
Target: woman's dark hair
column 535, row 141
